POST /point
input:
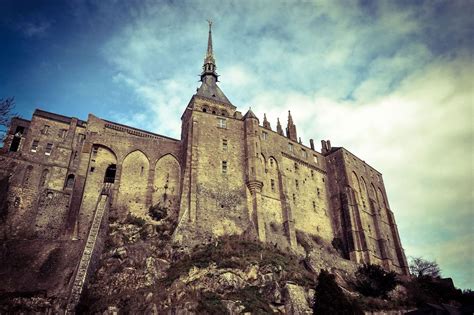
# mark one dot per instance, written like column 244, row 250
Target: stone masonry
column 228, row 174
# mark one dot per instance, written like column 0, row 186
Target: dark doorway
column 110, row 174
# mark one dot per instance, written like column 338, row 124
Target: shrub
column 329, row 298
column 131, row 219
column 158, row 212
column 373, row 280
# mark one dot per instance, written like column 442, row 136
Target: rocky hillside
column 141, row 271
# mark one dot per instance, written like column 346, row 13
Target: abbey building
column 229, row 173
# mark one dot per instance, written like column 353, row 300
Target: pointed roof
column 249, row 114
column 279, row 129
column 266, row 123
column 209, row 88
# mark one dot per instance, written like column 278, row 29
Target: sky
column 391, row 81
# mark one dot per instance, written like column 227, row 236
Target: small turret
column 279, row 129
column 291, row 128
column 250, row 115
column 266, row 123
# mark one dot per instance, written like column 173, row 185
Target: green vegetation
column 374, row 281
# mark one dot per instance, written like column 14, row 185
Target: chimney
column 311, row 144
column 324, row 148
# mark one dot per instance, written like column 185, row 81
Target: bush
column 158, row 212
column 329, row 298
column 373, row 280
column 131, row 219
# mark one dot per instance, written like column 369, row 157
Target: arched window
column 27, row 175
column 44, row 178
column 110, row 173
column 69, row 181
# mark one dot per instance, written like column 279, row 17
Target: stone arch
column 27, row 175
column 132, row 195
column 364, row 193
column 356, row 186
column 100, row 158
column 263, row 160
column 272, row 162
column 166, row 185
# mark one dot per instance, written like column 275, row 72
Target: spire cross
column 210, row 24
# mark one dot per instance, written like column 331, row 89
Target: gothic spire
column 291, row 128
column 279, row 129
column 209, row 67
column 266, row 123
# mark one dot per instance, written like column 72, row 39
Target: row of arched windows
column 214, row 111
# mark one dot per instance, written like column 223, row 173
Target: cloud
column 34, row 29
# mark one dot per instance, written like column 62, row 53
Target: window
column 81, row 137
column 62, row 133
column 294, row 198
column 27, row 175
column 224, row 144
column 314, row 205
column 45, row 130
column 204, row 109
column 304, row 154
column 290, row 147
column 221, row 123
column 297, row 184
column 312, row 174
column 224, row 167
column 272, row 184
column 271, row 162
column 49, row 148
column 296, row 167
column 95, row 150
column 34, row 146
column 315, row 159
column 44, row 178
column 69, row 181
column 264, row 135
column 318, row 191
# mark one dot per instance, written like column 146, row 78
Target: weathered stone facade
column 228, row 174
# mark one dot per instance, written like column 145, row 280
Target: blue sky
column 392, row 81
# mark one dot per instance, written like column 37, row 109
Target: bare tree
column 6, row 113
column 421, row 267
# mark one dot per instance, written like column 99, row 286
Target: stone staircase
column 83, row 268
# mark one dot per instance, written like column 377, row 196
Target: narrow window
column 297, row 184
column 69, row 181
column 81, row 137
column 272, row 184
column 304, row 154
column 62, row 133
column 95, row 150
column 204, row 110
column 141, row 171
column 271, row 162
column 294, row 198
column 290, row 147
column 296, row 167
column 319, row 192
column 27, row 175
column 224, row 167
column 224, row 144
column 314, row 205
column 34, row 146
column 45, row 130
column 44, row 178
column 264, row 135
column 49, row 148
column 221, row 123
column 315, row 159
column 312, row 174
